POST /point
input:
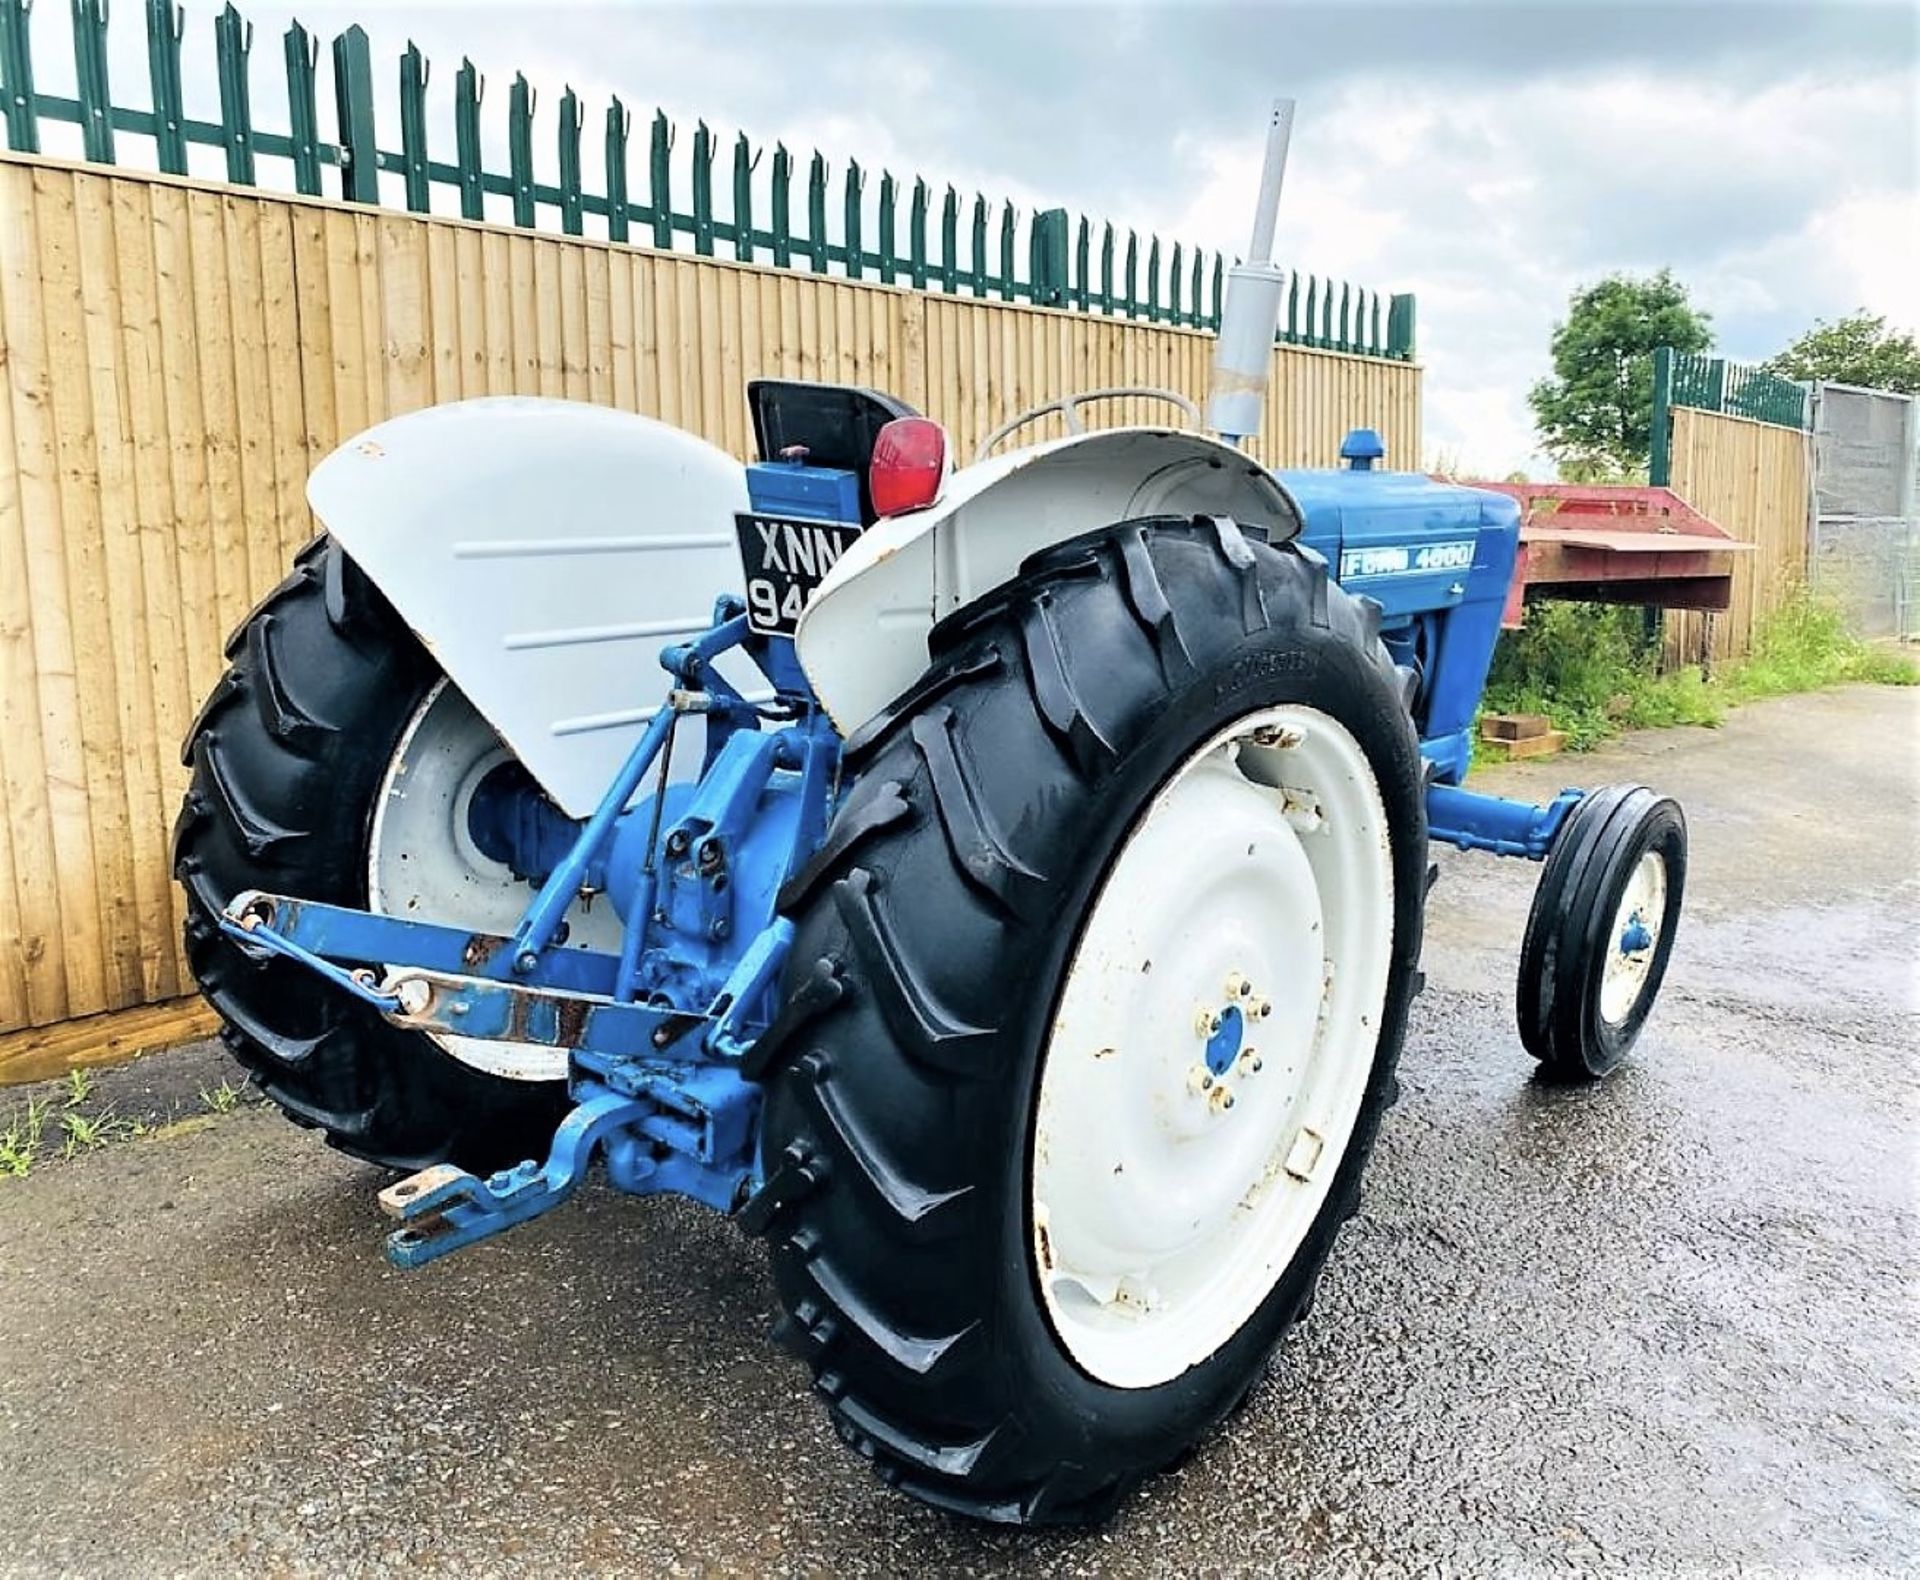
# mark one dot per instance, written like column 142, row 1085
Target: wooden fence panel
column 1751, row 478
column 177, row 355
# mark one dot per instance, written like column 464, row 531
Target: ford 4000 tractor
column 1009, row 906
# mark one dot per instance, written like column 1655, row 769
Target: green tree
column 1857, row 349
column 1595, row 413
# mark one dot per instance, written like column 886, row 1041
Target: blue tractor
column 1009, row 907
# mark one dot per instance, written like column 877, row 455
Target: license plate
column 786, row 558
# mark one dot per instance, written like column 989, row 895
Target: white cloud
column 1775, row 207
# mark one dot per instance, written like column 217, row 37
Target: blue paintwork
column 812, row 493
column 1635, row 936
column 1438, row 559
column 1223, row 1047
column 1361, row 448
column 1474, row 821
column 655, row 1035
column 461, row 1209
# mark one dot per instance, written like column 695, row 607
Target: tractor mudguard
column 863, row 637
column 543, row 551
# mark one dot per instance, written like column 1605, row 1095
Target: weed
column 85, row 1132
column 79, row 1087
column 20, row 1141
column 1594, row 670
column 1805, row 645
column 222, row 1099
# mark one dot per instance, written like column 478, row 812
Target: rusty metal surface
column 1613, row 543
column 1630, row 540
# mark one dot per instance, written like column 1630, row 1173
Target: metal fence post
column 1660, row 432
column 619, row 127
column 744, row 160
column 817, row 213
column 1400, row 329
column 780, row 200
column 353, row 97
column 303, row 113
column 979, row 282
column 660, row 181
column 850, row 219
column 233, row 45
column 16, row 73
column 950, row 240
column 90, row 76
column 917, row 235
column 413, row 127
column 1009, row 222
column 572, row 207
column 164, row 23
column 1047, row 260
column 702, row 170
column 467, row 88
column 520, row 101
column 889, row 200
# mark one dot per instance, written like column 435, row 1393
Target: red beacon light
column 908, row 466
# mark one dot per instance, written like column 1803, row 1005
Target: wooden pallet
column 1517, row 735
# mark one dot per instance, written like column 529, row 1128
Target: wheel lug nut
column 1237, row 985
column 1249, row 1062
column 1204, row 1022
column 1260, row 1008
column 1222, row 1099
column 1199, row 1079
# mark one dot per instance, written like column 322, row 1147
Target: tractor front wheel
column 1601, row 930
column 1096, row 992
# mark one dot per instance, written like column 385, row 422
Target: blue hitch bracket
column 444, row 1208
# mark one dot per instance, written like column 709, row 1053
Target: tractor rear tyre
column 1096, row 992
column 291, row 758
column 1601, row 931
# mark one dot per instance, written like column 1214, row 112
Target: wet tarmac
column 1663, row 1323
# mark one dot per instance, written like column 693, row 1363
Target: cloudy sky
column 1488, row 157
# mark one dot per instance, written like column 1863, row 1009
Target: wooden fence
column 1751, row 478
column 178, row 355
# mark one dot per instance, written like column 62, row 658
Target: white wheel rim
column 1173, row 1176
column 1634, row 939
column 422, row 862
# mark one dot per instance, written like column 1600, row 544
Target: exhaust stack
column 1243, row 355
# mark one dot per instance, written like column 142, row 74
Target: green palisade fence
column 1063, row 266
column 1684, row 378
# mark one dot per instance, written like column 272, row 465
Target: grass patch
column 21, row 1137
column 87, row 1132
column 224, row 1098
column 1593, row 670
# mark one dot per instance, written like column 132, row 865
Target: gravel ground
column 1662, row 1323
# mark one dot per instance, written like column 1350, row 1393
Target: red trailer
column 1605, row 543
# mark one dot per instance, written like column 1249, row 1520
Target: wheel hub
column 1636, row 931
column 1211, row 1046
column 423, row 859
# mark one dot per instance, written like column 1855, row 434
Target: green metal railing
column 1684, row 378
column 1067, row 263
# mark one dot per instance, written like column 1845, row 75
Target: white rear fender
column 863, row 638
column 544, row 551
